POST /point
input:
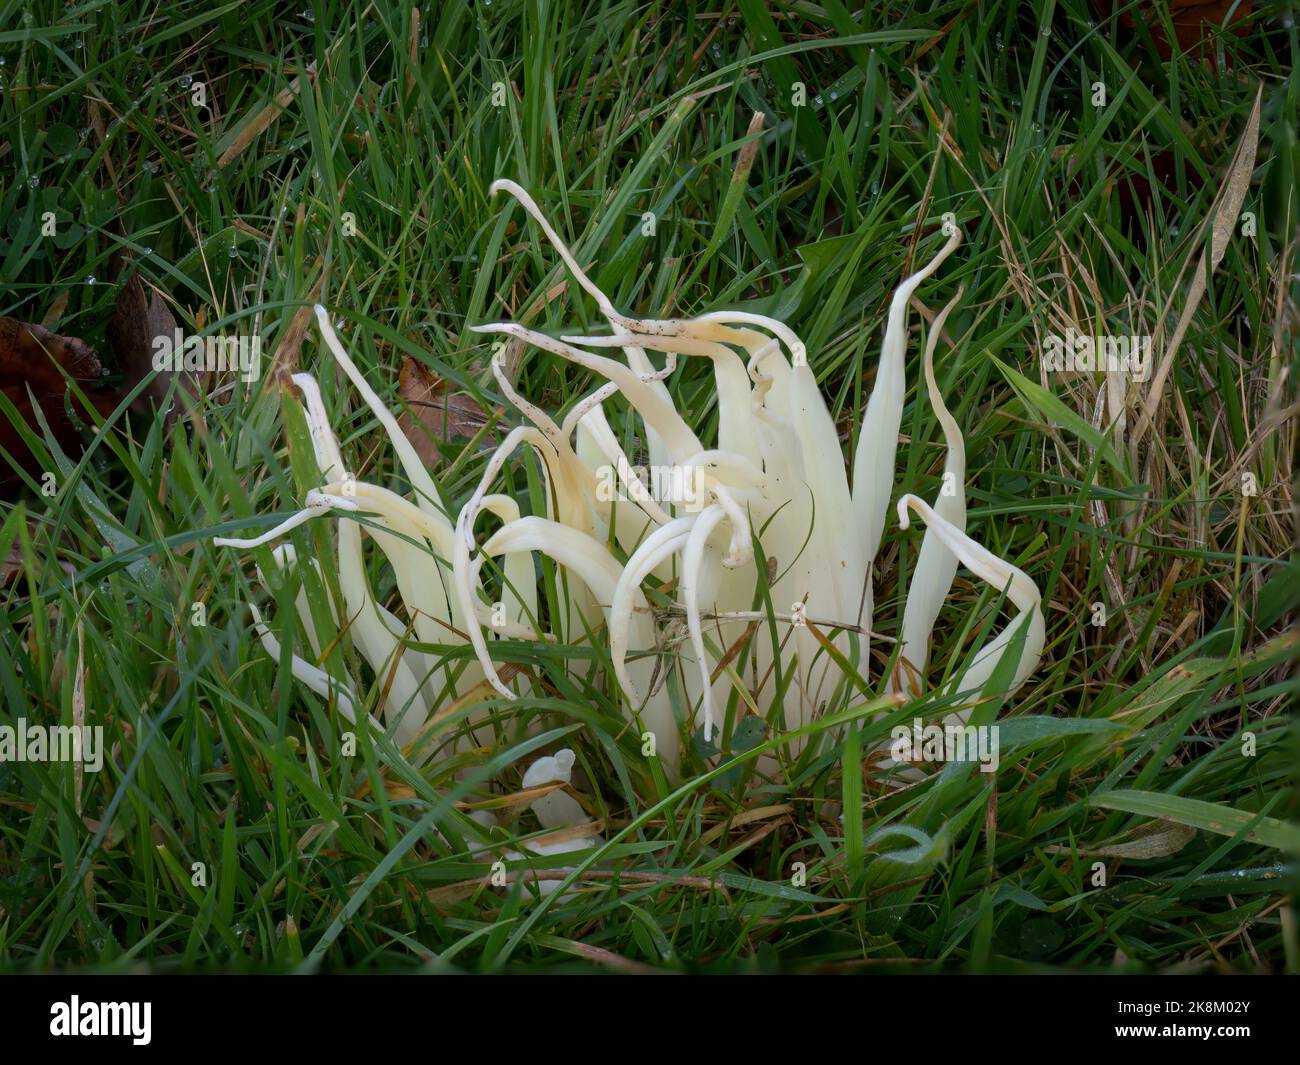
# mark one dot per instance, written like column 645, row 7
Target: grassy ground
column 1074, row 214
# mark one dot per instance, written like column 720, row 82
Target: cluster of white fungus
column 775, row 476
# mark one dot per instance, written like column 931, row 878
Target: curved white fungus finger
column 636, row 357
column 519, row 593
column 562, row 249
column 935, row 565
column 535, row 414
column 787, row 336
column 873, row 461
column 464, row 545
column 591, row 563
column 286, row 558
column 735, row 428
column 374, row 629
column 329, row 460
column 657, row 410
column 660, row 544
column 312, row 510
column 315, row 678
column 397, row 510
column 585, row 406
column 842, row 557
column 692, row 561
column 596, row 441
column 1020, row 589
column 741, row 547
column 429, row 498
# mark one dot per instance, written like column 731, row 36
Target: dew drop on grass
column 90, row 279
column 184, row 81
column 33, row 182
column 234, row 252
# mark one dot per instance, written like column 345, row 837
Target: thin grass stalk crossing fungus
column 777, row 475
column 776, row 478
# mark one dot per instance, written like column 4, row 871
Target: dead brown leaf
column 1195, row 22
column 436, row 415
column 11, row 566
column 138, row 319
column 33, row 362
column 257, row 123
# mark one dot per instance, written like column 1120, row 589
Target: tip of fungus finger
column 914, row 502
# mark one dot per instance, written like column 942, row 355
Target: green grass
column 612, row 110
